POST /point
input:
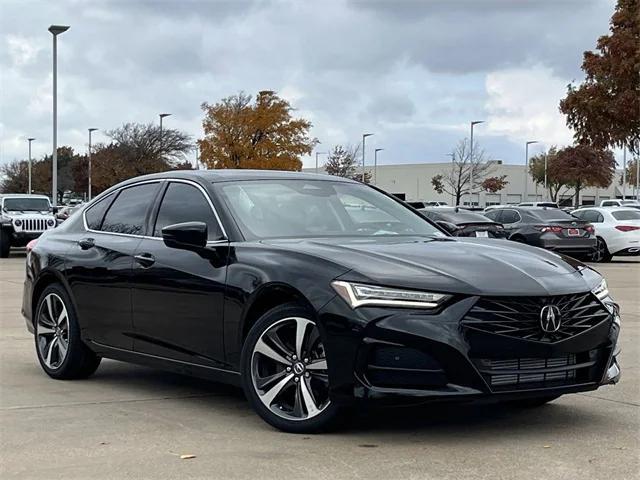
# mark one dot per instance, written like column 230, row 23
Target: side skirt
column 163, row 363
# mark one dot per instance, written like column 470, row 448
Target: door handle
column 86, row 243
column 145, row 259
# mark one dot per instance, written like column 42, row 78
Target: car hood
column 468, row 266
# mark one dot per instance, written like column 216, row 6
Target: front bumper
column 408, row 356
column 20, row 239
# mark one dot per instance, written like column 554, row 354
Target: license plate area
column 573, row 232
column 482, row 234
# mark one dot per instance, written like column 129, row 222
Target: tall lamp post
column 476, row 122
column 453, row 161
column 624, row 172
column 89, row 170
column 29, row 188
column 526, row 169
column 319, row 153
column 375, row 165
column 162, row 115
column 55, row 31
column 364, row 136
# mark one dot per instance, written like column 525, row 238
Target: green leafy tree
column 343, row 162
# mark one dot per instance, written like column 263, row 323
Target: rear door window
column 128, row 212
column 95, row 213
column 509, row 216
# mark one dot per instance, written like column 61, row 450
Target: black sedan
column 549, row 228
column 463, row 223
column 312, row 292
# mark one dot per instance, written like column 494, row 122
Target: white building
column 413, row 183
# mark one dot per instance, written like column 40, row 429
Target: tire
column 56, row 326
column 601, row 253
column 5, row 244
column 533, row 402
column 271, row 360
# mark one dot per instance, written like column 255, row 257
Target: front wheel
column 284, row 369
column 61, row 352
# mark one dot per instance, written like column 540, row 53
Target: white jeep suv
column 22, row 218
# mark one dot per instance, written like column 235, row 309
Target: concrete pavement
column 133, row 422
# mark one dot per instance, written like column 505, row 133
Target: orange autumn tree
column 260, row 135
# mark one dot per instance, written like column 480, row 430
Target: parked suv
column 23, row 218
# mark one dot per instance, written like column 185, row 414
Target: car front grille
column 34, row 224
column 529, row 373
column 520, row 317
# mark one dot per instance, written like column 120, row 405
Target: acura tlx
column 314, row 294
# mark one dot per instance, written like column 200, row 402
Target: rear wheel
column 601, row 252
column 61, row 352
column 284, row 368
column 5, row 244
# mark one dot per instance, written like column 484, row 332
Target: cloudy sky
column 412, row 72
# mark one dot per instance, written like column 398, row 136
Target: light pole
column 364, row 136
column 526, row 169
column 624, row 172
column 375, row 165
column 89, row 170
column 476, row 122
column 546, row 188
column 162, row 115
column 30, row 140
column 637, row 177
column 319, row 153
column 55, row 31
column 453, row 162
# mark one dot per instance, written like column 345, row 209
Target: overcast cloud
column 414, row 72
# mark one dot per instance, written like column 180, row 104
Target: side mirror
column 55, row 210
column 447, row 226
column 187, row 236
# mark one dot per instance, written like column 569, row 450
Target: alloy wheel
column 289, row 369
column 53, row 331
column 601, row 250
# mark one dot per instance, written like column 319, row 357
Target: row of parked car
column 593, row 233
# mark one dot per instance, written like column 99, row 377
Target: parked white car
column 620, row 203
column 617, row 230
column 23, row 218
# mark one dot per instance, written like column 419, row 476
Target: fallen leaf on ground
column 186, row 457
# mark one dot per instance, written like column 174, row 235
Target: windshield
column 26, row 204
column 313, row 208
column 626, row 215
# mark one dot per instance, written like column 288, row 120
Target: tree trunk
column 576, row 202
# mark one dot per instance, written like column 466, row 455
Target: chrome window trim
column 147, row 237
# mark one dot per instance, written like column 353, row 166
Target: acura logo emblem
column 550, row 320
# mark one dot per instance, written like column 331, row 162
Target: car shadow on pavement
column 207, row 399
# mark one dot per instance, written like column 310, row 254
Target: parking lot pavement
column 133, row 422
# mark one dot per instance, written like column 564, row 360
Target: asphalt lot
column 133, row 422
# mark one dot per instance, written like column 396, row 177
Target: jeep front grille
column 34, row 224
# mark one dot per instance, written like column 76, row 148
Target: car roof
column 232, row 175
column 625, row 208
column 21, row 195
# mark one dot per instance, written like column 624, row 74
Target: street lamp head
column 365, row 135
column 378, row 149
column 532, row 142
column 162, row 115
column 476, row 122
column 92, row 129
column 30, row 139
column 58, row 29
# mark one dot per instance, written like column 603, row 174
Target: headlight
column 601, row 291
column 358, row 295
column 51, row 222
column 18, row 223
